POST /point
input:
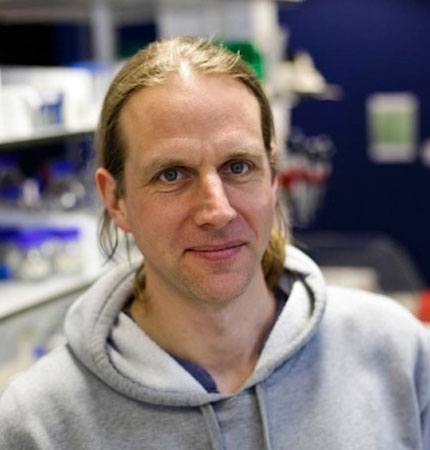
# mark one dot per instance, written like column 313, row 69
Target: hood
column 115, row 350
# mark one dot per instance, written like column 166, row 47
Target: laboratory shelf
column 18, row 297
column 44, row 136
column 31, row 11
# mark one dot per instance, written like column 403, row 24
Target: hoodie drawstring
column 213, row 427
column 263, row 416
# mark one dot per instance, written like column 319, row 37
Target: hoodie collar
column 111, row 345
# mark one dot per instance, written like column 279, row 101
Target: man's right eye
column 170, row 175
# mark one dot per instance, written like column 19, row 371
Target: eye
column 170, row 175
column 238, row 167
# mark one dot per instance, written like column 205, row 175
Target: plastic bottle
column 67, row 257
column 8, row 247
column 11, row 180
column 34, row 265
column 63, row 191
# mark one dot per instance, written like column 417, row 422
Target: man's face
column 199, row 197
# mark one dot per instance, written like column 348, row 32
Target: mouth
column 218, row 252
column 217, row 248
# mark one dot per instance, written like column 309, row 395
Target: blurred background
column 348, row 82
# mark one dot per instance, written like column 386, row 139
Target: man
column 211, row 343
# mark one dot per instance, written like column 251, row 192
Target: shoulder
column 57, row 382
column 48, row 372
column 368, row 310
column 379, row 327
column 379, row 315
column 381, row 334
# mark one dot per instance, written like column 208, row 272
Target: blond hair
column 154, row 66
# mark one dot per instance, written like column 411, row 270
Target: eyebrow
column 159, row 164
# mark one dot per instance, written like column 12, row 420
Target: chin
column 220, row 290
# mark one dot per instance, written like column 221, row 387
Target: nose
column 213, row 206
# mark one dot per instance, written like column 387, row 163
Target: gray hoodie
column 341, row 369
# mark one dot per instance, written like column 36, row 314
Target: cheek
column 155, row 220
column 257, row 207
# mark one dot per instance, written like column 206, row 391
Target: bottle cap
column 32, row 237
column 61, row 168
column 424, row 306
column 8, row 234
column 67, row 234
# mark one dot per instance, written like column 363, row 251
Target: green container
column 249, row 54
column 245, row 49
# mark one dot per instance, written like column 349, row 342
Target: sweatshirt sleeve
column 19, row 428
column 423, row 388
column 426, row 427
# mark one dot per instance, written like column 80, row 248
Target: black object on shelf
column 394, row 267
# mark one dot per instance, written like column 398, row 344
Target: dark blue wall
column 368, row 46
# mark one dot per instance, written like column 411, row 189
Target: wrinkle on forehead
column 168, row 111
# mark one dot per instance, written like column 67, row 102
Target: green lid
column 245, row 49
column 249, row 54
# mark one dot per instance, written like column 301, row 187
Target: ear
column 115, row 205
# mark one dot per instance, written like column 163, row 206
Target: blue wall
column 368, row 46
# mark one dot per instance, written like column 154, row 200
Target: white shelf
column 49, row 134
column 55, row 11
column 16, row 297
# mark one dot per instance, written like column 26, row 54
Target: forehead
column 195, row 107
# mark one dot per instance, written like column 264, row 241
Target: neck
column 224, row 338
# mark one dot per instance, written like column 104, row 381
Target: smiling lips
column 218, row 252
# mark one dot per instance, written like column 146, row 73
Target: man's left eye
column 238, row 167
